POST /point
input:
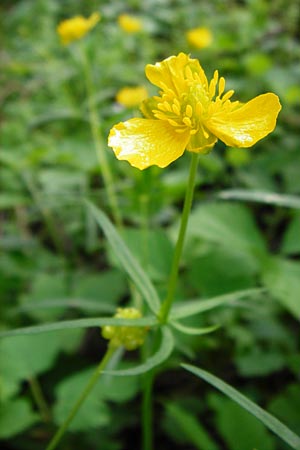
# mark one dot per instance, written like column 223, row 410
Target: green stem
column 166, row 306
column 39, row 398
column 147, row 412
column 93, row 380
column 100, row 151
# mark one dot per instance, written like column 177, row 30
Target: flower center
column 193, row 104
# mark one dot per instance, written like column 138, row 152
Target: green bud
column 129, row 337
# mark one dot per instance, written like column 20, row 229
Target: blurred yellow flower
column 130, row 24
column 190, row 114
column 75, row 28
column 131, row 96
column 199, row 37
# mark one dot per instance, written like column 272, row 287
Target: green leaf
column 191, row 428
column 269, row 198
column 164, row 351
column 267, row 419
column 193, row 331
column 282, row 278
column 239, row 429
column 128, row 261
column 203, row 271
column 80, row 323
column 152, row 249
column 230, row 225
column 291, row 238
column 22, row 357
column 286, row 405
column 15, row 417
column 192, row 307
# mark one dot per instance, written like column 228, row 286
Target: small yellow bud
column 130, row 24
column 131, row 96
column 129, row 337
column 199, row 37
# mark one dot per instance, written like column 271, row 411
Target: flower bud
column 129, row 337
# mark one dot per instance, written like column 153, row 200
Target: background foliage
column 243, row 232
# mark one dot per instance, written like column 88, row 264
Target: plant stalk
column 93, row 380
column 166, row 306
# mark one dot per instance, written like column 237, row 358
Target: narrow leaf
column 267, row 419
column 194, row 331
column 270, row 198
column 128, row 261
column 197, row 306
column 164, row 351
column 80, row 323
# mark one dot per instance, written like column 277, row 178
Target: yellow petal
column 146, row 142
column 247, row 124
column 173, row 72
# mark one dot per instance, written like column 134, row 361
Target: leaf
column 267, row 419
column 203, row 271
column 108, row 286
column 79, row 323
column 191, row 428
column 230, row 225
column 128, row 261
column 192, row 307
column 15, row 417
column 286, row 405
column 164, row 351
column 239, row 429
column 282, row 278
column 152, row 249
column 291, row 238
column 269, row 198
column 22, row 357
column 193, row 331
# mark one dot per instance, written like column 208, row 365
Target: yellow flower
column 75, row 28
column 130, row 24
column 131, row 96
column 129, row 337
column 199, row 37
column 190, row 114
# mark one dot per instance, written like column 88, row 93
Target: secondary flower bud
column 129, row 337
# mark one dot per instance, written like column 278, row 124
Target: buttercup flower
column 75, row 28
column 199, row 37
column 130, row 24
column 129, row 337
column 190, row 114
column 131, row 96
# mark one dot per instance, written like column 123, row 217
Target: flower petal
column 173, row 72
column 246, row 124
column 146, row 142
